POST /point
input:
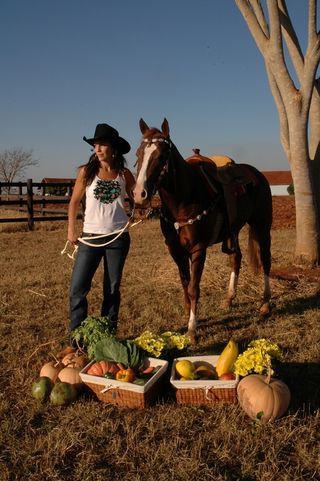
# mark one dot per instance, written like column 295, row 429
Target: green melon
column 41, row 388
column 63, row 393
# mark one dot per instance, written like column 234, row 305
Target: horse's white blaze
column 233, row 284
column 142, row 177
column 192, row 324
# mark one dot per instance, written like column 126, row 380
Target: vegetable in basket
column 124, row 352
column 91, row 331
column 126, row 375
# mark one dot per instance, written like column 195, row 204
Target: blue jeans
column 86, row 263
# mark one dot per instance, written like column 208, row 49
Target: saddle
column 233, row 180
column 223, row 170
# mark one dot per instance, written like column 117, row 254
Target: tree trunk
column 306, row 201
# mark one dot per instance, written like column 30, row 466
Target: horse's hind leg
column 235, row 264
column 260, row 255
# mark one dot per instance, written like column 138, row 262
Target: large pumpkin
column 100, row 368
column 262, row 397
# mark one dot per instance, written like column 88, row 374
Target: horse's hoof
column 265, row 309
column 192, row 337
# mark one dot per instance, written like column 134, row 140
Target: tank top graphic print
column 107, row 190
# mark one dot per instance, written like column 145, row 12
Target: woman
column 105, row 182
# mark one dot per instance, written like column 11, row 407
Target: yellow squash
column 227, row 358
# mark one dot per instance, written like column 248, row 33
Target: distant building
column 56, row 180
column 279, row 181
column 54, row 188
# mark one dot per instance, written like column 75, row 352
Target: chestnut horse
column 195, row 213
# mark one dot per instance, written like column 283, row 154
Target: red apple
column 227, row 376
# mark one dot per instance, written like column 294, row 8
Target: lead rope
column 84, row 240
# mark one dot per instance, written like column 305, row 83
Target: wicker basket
column 203, row 392
column 126, row 394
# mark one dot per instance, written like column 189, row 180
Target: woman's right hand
column 73, row 238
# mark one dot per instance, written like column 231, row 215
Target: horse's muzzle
column 140, row 196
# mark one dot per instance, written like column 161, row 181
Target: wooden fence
column 38, row 206
column 26, row 200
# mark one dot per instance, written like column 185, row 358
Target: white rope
column 84, row 240
column 64, row 250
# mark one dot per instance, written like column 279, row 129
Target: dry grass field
column 94, row 441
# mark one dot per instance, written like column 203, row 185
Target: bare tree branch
column 259, row 13
column 14, row 162
column 291, row 39
column 250, row 18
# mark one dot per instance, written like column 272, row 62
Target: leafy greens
column 125, row 352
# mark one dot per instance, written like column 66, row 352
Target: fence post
column 69, row 191
column 20, row 195
column 30, row 204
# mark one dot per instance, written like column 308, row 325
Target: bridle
column 165, row 168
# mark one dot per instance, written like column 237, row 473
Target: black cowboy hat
column 106, row 133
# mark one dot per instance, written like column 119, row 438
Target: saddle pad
column 221, row 160
column 217, row 160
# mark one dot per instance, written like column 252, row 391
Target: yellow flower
column 257, row 358
column 156, row 344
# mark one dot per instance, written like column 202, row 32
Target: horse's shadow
column 303, row 380
column 234, row 319
column 300, row 305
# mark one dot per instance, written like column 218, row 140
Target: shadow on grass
column 299, row 305
column 303, row 380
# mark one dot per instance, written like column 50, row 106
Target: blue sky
column 70, row 64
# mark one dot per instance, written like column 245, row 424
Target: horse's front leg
column 197, row 257
column 181, row 258
column 235, row 264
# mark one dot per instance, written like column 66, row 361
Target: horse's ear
column 143, row 126
column 165, row 128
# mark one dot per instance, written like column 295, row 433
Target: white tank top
column 105, row 209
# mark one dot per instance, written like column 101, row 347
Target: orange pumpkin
column 65, row 351
column 100, row 368
column 262, row 396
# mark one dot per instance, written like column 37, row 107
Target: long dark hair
column 91, row 168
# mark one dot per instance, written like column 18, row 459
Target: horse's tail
column 254, row 250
